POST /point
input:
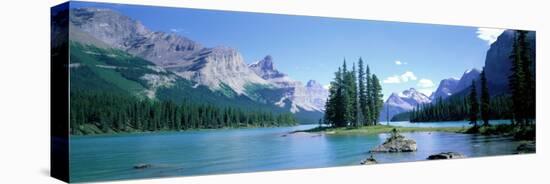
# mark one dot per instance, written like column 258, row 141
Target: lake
column 200, row 152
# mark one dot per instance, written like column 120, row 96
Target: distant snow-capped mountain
column 402, row 102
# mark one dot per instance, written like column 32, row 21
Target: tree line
column 101, row 112
column 455, row 109
column 355, row 97
column 519, row 106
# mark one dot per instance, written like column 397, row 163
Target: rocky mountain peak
column 266, row 63
column 409, row 92
column 313, row 84
column 266, row 69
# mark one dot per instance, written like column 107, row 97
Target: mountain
column 266, row 69
column 497, row 67
column 309, row 97
column 402, row 102
column 180, row 69
column 451, row 86
column 498, row 63
column 445, row 89
column 316, row 94
column 216, row 68
column 466, row 80
column 115, row 71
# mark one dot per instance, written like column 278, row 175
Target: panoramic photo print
column 164, row 92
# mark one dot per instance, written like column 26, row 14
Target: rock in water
column 142, row 166
column 529, row 147
column 446, row 155
column 369, row 161
column 396, row 143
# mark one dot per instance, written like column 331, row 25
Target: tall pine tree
column 362, row 93
column 485, row 99
column 345, row 102
column 351, row 88
column 368, row 94
column 377, row 98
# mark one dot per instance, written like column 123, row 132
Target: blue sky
column 402, row 55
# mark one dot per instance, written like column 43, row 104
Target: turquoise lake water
column 97, row 158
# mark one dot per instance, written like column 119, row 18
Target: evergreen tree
column 377, row 98
column 362, row 93
column 368, row 94
column 340, row 101
column 345, row 102
column 474, row 105
column 485, row 99
column 351, row 88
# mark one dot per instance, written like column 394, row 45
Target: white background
column 24, row 92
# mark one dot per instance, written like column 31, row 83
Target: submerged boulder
column 396, row 143
column 446, row 155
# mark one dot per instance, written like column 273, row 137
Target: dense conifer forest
column 95, row 112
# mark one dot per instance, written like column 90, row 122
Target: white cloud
column 425, row 83
column 408, row 75
column 489, row 35
column 392, row 80
column 426, row 86
column 396, row 79
column 326, row 86
column 397, row 62
column 174, row 30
